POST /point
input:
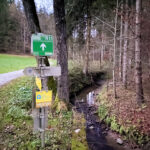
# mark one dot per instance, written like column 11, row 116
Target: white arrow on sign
column 43, row 46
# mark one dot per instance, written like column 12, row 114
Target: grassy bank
column 78, row 141
column 16, row 123
column 11, row 63
column 124, row 116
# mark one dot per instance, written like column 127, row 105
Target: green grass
column 9, row 63
column 16, row 123
column 15, row 105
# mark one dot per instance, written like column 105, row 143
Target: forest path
column 7, row 77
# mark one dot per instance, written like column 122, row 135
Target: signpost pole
column 41, row 46
column 43, row 110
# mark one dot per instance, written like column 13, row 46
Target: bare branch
column 105, row 23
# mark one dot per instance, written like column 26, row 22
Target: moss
column 52, row 85
column 59, row 135
column 58, row 105
column 78, row 141
column 76, row 145
column 55, row 103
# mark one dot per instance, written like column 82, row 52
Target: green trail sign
column 41, row 44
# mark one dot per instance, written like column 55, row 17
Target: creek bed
column 96, row 132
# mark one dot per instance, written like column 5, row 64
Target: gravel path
column 7, row 77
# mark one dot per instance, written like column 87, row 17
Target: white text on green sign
column 41, row 44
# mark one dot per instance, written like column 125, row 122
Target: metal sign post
column 41, row 45
column 42, row 110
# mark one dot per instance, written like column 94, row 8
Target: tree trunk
column 138, row 65
column 24, row 37
column 100, row 61
column 62, row 53
column 32, row 19
column 88, row 39
column 121, row 41
column 87, row 50
column 31, row 15
column 125, row 46
column 102, row 50
column 114, row 54
column 149, row 66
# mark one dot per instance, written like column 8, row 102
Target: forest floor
column 124, row 116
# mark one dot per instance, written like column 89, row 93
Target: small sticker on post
column 38, row 83
column 43, row 99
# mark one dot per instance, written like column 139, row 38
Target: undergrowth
column 107, row 112
column 16, row 125
column 78, row 80
column 78, row 141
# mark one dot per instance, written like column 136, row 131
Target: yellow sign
column 38, row 83
column 43, row 98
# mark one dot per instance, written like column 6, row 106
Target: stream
column 96, row 131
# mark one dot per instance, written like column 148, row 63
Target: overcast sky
column 46, row 4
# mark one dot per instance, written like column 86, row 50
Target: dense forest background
column 14, row 34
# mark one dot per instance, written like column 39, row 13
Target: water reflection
column 90, row 98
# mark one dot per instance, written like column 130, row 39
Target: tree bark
column 88, row 39
column 138, row 65
column 62, row 53
column 125, row 46
column 114, row 54
column 32, row 19
column 102, row 49
column 87, row 51
column 31, row 15
column 24, row 37
column 121, row 42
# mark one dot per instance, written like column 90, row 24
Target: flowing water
column 96, row 131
